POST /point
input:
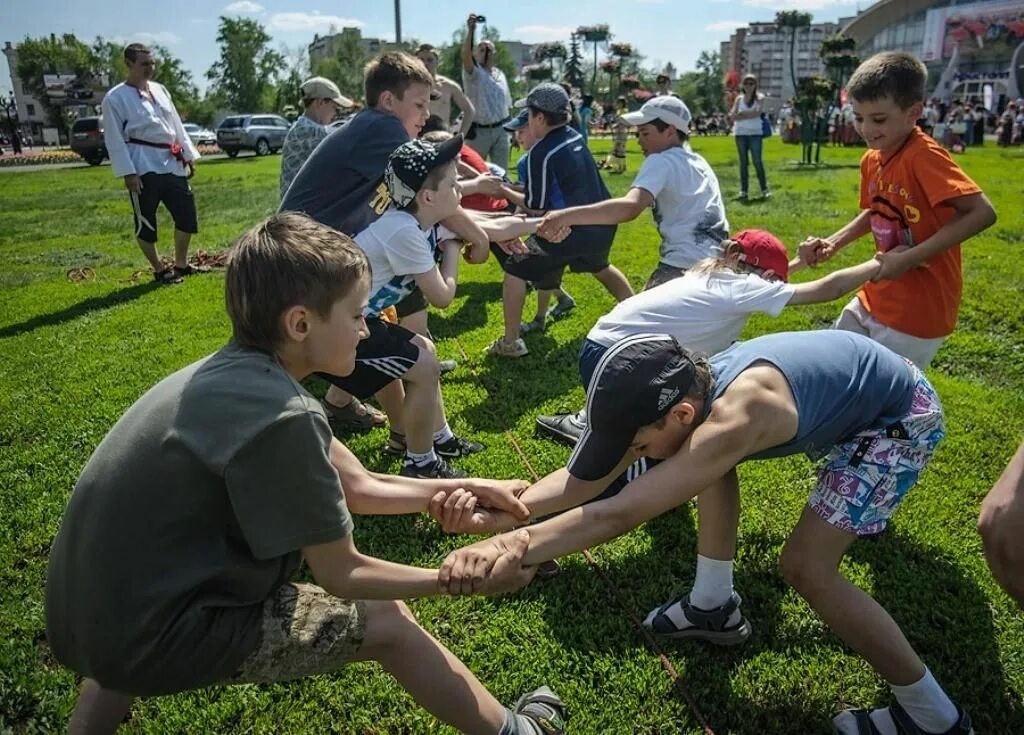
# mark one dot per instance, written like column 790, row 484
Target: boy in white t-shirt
column 706, row 309
column 678, row 183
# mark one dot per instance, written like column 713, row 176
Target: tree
column 710, row 82
column 574, row 63
column 248, row 67
column 812, row 94
column 840, row 60
column 54, row 55
column 792, row 20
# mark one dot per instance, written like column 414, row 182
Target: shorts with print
column 663, row 274
column 304, row 630
column 387, row 354
column 864, row 479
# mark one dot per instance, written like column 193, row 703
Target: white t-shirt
column 152, row 117
column 750, row 126
column 704, row 312
column 688, row 208
column 398, row 251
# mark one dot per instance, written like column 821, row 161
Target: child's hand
column 492, row 566
column 499, row 495
column 815, row 250
column 459, row 511
column 515, row 246
column 553, row 224
column 894, row 263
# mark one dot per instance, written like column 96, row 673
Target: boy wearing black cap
column 558, row 161
column 401, row 247
column 870, row 415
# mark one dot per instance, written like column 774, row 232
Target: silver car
column 261, row 133
column 200, row 135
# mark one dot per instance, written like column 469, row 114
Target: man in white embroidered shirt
column 149, row 148
column 487, row 88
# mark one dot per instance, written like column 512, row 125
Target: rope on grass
column 84, row 273
column 615, row 592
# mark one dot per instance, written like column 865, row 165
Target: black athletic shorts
column 176, row 195
column 586, row 255
column 386, row 355
column 411, row 304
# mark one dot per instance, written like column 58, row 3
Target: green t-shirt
column 190, row 513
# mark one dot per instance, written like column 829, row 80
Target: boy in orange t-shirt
column 919, row 206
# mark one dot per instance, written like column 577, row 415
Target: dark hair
column 588, row 99
column 393, row 72
column 552, row 119
column 432, row 181
column 894, row 74
column 287, row 260
column 661, row 125
column 132, row 51
column 433, row 124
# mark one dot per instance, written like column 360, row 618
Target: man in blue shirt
column 868, row 414
column 559, row 162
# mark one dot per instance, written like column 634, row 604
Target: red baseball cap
column 763, row 250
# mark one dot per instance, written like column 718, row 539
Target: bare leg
column 718, row 511
column 543, row 301
column 392, row 399
column 181, row 243
column 416, row 323
column 513, row 295
column 810, row 563
column 149, row 250
column 98, row 711
column 422, row 398
column 1002, row 528
column 437, row 680
column 613, row 280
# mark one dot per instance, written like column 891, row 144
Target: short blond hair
column 287, row 260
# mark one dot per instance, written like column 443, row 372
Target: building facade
column 31, row 115
column 326, row 47
column 762, row 49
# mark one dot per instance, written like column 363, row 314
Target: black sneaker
column 436, row 470
column 457, row 447
column 544, row 709
column 565, row 426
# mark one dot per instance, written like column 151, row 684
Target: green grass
column 76, row 355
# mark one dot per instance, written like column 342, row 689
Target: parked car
column 87, row 139
column 200, row 135
column 261, row 133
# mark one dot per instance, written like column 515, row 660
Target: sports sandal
column 167, row 277
column 355, row 416
column 706, row 625
column 396, row 444
column 544, row 709
column 191, row 270
column 858, row 722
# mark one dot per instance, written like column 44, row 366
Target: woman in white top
column 747, row 127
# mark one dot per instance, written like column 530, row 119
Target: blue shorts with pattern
column 864, row 479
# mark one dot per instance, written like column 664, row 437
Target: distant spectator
column 586, row 113
column 149, row 148
column 747, row 128
column 322, row 101
column 446, row 91
column 488, row 90
column 664, row 86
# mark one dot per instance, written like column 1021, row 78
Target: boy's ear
column 386, row 100
column 295, row 323
column 685, row 412
column 916, row 110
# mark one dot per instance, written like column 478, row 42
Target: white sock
column 926, row 703
column 712, row 586
column 427, row 457
column 443, row 434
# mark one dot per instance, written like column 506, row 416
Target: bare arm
column 816, row 250
column 834, row 285
column 467, row 45
column 609, row 212
column 463, row 103
column 439, row 283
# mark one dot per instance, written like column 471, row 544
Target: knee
column 1004, row 548
column 427, row 368
column 802, row 572
column 388, row 624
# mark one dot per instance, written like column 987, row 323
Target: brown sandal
column 167, row 277
column 354, row 417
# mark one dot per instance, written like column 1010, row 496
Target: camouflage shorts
column 305, row 630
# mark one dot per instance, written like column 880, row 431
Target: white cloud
column 243, row 6
column 725, row 26
column 311, row 22
column 530, row 34
column 796, row 4
column 164, row 38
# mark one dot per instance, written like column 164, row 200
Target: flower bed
column 64, row 155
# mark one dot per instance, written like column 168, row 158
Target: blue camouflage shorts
column 864, row 479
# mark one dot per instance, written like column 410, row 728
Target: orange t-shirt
column 908, row 193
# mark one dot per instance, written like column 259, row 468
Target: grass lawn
column 75, row 355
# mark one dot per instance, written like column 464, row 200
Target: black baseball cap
column 411, row 164
column 635, row 383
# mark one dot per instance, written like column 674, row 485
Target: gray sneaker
column 537, row 325
column 723, row 626
column 567, row 427
column 544, row 709
column 501, row 348
column 565, row 304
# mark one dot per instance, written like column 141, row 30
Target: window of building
column 31, row 110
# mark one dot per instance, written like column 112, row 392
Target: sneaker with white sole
column 544, row 709
column 457, row 447
column 439, row 469
column 501, row 348
column 723, row 626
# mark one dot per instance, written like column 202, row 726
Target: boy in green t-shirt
column 171, row 567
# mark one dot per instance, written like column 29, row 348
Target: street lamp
column 398, row 22
column 10, row 107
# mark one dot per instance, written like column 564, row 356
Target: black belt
column 493, row 125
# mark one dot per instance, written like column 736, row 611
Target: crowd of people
column 183, row 580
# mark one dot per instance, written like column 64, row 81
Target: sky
column 662, row 30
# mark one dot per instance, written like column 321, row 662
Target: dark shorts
column 590, row 354
column 413, row 303
column 545, row 260
column 386, row 355
column 663, row 274
column 176, row 195
column 304, row 630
